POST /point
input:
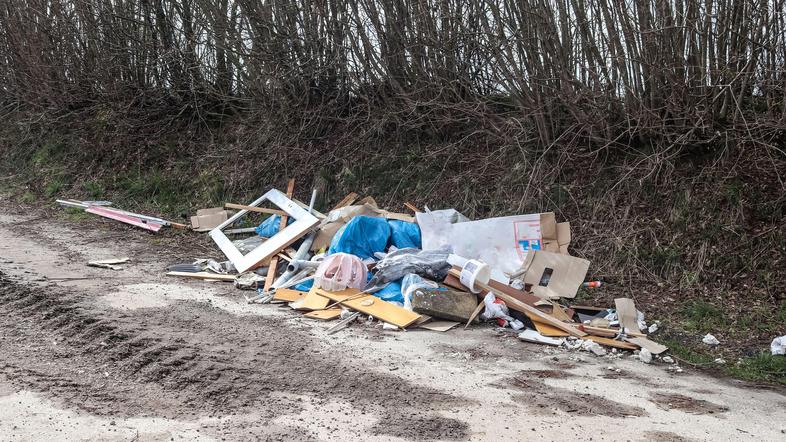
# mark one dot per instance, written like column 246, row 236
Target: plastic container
column 475, row 271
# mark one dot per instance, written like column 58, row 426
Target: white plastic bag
column 340, row 271
column 778, row 346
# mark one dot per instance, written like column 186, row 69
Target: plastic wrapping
column 430, row 264
column 270, row 226
column 340, row 271
column 412, row 282
column 362, row 237
column 404, row 234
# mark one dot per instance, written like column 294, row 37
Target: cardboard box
column 208, row 219
column 554, row 275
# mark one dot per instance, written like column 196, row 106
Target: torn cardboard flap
column 208, row 219
column 554, row 275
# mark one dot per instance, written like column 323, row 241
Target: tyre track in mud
column 189, row 359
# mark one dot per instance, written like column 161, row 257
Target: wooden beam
column 412, row 207
column 256, row 209
column 373, row 306
column 349, row 199
column 517, row 305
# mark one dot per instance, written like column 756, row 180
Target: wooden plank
column 610, row 342
column 313, row 301
column 650, row 345
column 546, row 329
column 349, row 199
column 325, row 315
column 288, row 295
column 123, row 218
column 475, row 313
column 557, row 312
column 371, row 305
column 626, row 313
column 517, row 305
column 412, row 207
column 440, row 326
column 271, row 270
column 204, row 275
column 255, row 209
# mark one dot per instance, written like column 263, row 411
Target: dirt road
column 133, row 355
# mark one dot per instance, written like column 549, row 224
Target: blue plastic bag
column 391, row 292
column 304, row 286
column 269, row 226
column 404, row 235
column 362, row 236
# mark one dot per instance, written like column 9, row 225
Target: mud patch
column 673, row 401
column 548, row 400
column 415, row 426
column 175, row 361
column 664, row 436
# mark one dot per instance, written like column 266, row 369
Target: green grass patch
column 686, row 353
column 75, row 215
column 761, row 367
column 701, row 316
column 28, row 198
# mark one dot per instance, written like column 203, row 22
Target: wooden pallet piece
column 288, row 295
column 324, row 315
column 373, row 306
column 546, row 329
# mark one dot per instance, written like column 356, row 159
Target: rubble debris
column 778, row 346
column 110, row 264
column 432, row 271
column 668, row 359
column 710, row 340
column 444, row 303
column 645, row 356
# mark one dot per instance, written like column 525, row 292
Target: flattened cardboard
column 554, row 275
column 208, row 219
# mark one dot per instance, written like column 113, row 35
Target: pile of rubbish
column 431, row 269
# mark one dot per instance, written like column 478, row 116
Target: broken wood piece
column 604, row 331
column 412, row 207
column 313, row 301
column 650, row 345
column 559, row 313
column 204, row 275
column 610, row 342
column 517, row 305
column 288, row 295
column 546, row 329
column 346, row 201
column 440, row 326
column 477, row 311
column 378, row 308
column 325, row 315
column 343, row 323
column 453, row 280
column 109, row 263
column 255, row 209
